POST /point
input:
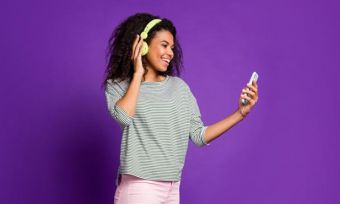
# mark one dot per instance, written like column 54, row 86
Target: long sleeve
column 113, row 94
column 197, row 128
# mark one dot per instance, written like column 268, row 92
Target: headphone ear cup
column 145, row 48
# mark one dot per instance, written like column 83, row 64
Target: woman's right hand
column 136, row 56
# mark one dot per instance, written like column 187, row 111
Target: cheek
column 158, row 50
column 153, row 56
column 157, row 53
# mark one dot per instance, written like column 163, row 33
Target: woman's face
column 160, row 51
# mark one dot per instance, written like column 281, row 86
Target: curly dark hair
column 119, row 51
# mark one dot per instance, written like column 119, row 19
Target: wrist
column 138, row 76
column 241, row 112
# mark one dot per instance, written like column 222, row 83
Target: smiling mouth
column 166, row 61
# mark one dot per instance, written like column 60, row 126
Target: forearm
column 129, row 101
column 217, row 129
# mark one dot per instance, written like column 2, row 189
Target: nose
column 170, row 53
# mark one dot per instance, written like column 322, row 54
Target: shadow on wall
column 87, row 152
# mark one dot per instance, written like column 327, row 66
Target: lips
column 166, row 61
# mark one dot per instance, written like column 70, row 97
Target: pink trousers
column 133, row 190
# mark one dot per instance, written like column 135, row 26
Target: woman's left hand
column 252, row 98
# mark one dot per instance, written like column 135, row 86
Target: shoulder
column 181, row 82
column 185, row 86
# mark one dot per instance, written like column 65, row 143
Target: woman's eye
column 173, row 48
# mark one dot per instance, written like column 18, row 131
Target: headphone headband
column 148, row 27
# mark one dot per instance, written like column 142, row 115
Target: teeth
column 167, row 60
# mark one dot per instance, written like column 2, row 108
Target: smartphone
column 254, row 77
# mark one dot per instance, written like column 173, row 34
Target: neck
column 152, row 76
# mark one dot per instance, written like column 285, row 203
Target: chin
column 162, row 70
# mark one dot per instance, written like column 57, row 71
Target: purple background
column 59, row 144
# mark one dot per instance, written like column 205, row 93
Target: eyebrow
column 166, row 42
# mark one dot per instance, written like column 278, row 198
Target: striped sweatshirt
column 155, row 140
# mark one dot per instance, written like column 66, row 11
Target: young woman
column 155, row 109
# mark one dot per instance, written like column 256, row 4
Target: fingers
column 249, row 99
column 253, row 87
column 250, row 93
column 134, row 47
column 139, row 48
column 246, row 90
column 255, row 83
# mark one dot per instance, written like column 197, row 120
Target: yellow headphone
column 144, row 35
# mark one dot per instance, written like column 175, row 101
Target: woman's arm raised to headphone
column 129, row 100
